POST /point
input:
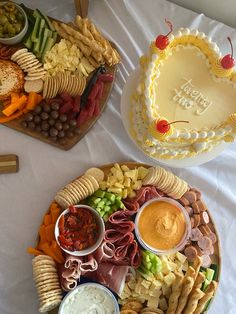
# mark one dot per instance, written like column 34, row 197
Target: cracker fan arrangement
column 126, row 238
column 55, row 77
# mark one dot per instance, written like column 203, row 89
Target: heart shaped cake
column 184, row 102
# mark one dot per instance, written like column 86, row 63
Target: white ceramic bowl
column 18, row 38
column 71, row 296
column 183, row 241
column 99, row 239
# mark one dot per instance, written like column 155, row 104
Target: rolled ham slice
column 105, row 252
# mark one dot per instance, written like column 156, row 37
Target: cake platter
column 125, row 107
column 128, row 270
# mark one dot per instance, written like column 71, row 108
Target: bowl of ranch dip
column 89, row 298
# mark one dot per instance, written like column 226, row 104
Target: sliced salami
column 191, row 253
column 196, row 234
column 206, row 261
column 204, row 243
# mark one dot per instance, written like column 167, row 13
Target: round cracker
column 34, row 65
column 65, row 82
column 59, row 77
column 42, row 258
column 97, row 173
column 74, row 84
column 45, row 87
column 72, row 194
column 50, row 305
column 46, row 282
column 149, row 178
column 34, row 86
column 30, row 78
column 77, row 191
column 94, row 182
column 46, row 295
column 89, row 183
column 81, row 188
column 66, row 197
column 86, row 185
column 18, row 52
column 62, row 202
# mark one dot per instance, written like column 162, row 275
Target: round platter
column 125, row 106
column 215, row 257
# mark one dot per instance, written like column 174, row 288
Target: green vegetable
column 34, row 35
column 215, row 268
column 105, row 203
column 151, row 263
column 209, row 277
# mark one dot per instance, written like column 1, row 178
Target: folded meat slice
column 144, row 194
column 105, row 252
column 118, row 238
column 134, row 254
column 74, row 267
column 89, row 265
column 110, row 275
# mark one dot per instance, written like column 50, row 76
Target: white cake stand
column 125, row 105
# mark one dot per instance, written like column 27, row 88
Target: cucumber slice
column 49, row 43
column 28, row 42
column 37, row 46
column 101, row 204
column 107, row 208
column 54, row 35
column 111, row 197
column 46, row 34
column 34, row 35
column 118, row 203
column 205, row 284
column 47, row 20
column 210, row 274
column 215, row 268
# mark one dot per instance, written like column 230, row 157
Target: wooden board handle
column 81, row 7
column 9, row 164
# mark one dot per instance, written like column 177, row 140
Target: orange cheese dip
column 162, row 225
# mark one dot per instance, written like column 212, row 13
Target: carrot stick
column 55, row 214
column 47, row 250
column 34, row 251
column 57, row 250
column 49, row 230
column 42, row 234
column 47, row 219
column 9, row 110
column 12, row 117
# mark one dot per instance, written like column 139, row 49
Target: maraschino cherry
column 227, row 61
column 163, row 126
column 162, row 41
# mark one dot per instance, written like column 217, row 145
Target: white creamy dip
column 88, row 299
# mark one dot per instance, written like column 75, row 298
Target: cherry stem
column 231, row 45
column 170, row 25
column 184, row 121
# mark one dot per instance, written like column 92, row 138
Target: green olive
column 11, row 30
column 12, row 17
column 10, row 7
column 5, row 27
column 17, row 27
column 3, row 19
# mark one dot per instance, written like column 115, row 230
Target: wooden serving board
column 70, row 142
column 216, row 258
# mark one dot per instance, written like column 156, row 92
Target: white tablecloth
column 25, row 196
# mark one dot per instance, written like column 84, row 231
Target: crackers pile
column 29, row 64
column 79, row 189
column 47, row 283
column 166, row 182
column 63, row 83
column 89, row 39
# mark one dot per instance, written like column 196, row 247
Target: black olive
column 24, row 124
column 37, row 119
column 70, row 134
column 51, row 121
column 66, row 126
column 45, row 126
column 53, row 132
column 44, row 116
column 38, row 128
column 63, row 117
column 46, row 107
column 31, row 125
column 29, row 117
column 45, row 134
column 58, row 125
column 54, row 114
column 38, row 109
column 55, row 106
column 73, row 122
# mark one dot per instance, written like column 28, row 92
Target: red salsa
column 78, row 229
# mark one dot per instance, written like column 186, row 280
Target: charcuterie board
column 119, row 193
column 64, row 70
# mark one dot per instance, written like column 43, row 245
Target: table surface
column 25, row 196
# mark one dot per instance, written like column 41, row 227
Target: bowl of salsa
column 79, row 230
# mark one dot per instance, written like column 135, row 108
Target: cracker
column 86, row 185
column 34, row 86
column 45, row 87
column 41, row 258
column 74, row 86
column 65, row 82
column 77, row 191
column 60, row 78
column 28, row 78
column 148, row 179
column 62, row 202
column 48, row 294
column 33, row 65
column 171, row 182
column 47, row 288
column 66, row 196
column 50, row 305
column 89, row 183
column 81, row 188
column 46, row 282
column 97, row 173
column 18, row 53
column 71, row 193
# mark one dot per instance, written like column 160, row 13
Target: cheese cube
column 169, row 279
column 146, row 284
column 152, row 302
column 179, row 256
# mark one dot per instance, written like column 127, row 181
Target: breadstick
column 196, row 265
column 199, row 281
column 193, row 301
column 176, row 291
column 188, row 283
column 208, row 295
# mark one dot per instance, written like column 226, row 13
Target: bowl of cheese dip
column 89, row 298
column 162, row 225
